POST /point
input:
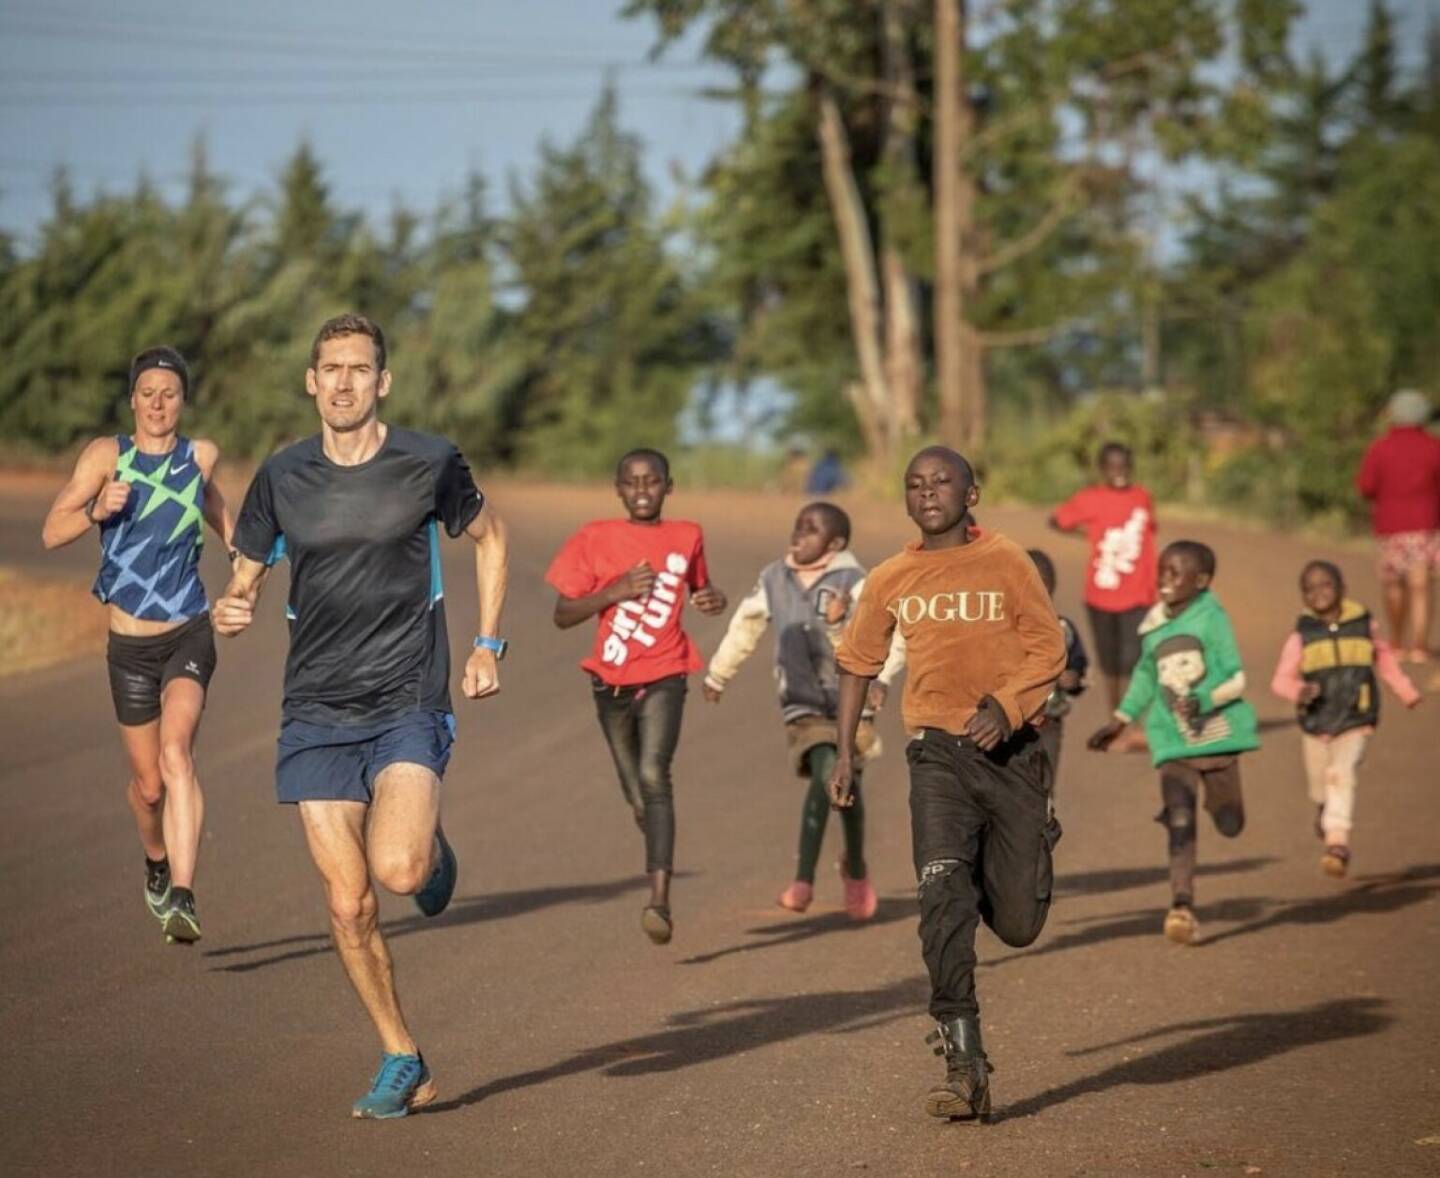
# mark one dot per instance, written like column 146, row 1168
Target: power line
column 371, row 95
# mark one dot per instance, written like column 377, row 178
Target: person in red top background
column 1118, row 519
column 635, row 574
column 1400, row 475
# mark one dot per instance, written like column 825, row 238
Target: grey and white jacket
column 806, row 676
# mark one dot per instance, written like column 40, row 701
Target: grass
column 43, row 622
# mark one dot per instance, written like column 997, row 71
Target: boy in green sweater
column 1188, row 685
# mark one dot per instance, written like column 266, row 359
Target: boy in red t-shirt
column 634, row 573
column 1118, row 519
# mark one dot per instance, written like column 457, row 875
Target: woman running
column 150, row 494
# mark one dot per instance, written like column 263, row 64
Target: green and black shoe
column 965, row 1093
column 157, row 887
column 182, row 926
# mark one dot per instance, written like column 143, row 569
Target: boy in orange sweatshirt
column 984, row 651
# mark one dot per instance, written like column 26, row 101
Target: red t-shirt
column 1401, row 478
column 637, row 641
column 1120, row 525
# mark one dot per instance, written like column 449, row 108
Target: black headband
column 166, row 358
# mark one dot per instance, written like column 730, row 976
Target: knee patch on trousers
column 1179, row 823
column 935, row 872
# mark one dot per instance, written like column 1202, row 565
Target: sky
column 399, row 101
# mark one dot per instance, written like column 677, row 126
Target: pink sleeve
column 1071, row 513
column 1387, row 666
column 1286, row 682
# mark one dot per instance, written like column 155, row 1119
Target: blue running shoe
column 434, row 897
column 402, row 1083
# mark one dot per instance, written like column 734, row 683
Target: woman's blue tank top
column 150, row 548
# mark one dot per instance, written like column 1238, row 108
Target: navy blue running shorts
column 339, row 763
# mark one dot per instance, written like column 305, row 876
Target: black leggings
column 642, row 727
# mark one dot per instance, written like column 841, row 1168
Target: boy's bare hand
column 709, row 601
column 1102, row 738
column 634, row 584
column 877, row 695
column 1309, row 693
column 711, row 695
column 841, row 778
column 988, row 727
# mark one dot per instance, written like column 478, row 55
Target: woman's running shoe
column 797, row 896
column 157, row 887
column 1335, row 861
column 182, row 925
column 402, row 1083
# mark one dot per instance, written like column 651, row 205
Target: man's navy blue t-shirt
column 367, row 618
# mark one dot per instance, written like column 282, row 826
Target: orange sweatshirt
column 976, row 621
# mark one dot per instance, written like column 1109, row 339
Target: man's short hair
column 837, row 522
column 654, row 457
column 1202, row 554
column 1113, row 447
column 350, row 323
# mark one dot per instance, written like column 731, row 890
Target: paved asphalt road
column 1303, row 1036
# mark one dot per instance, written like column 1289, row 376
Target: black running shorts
column 141, row 667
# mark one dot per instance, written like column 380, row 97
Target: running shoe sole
column 1182, row 930
column 948, row 1106
column 1335, row 865
column 180, row 929
column 657, row 925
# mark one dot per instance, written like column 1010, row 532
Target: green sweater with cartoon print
column 1192, row 654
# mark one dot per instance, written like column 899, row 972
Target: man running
column 151, row 494
column 367, row 726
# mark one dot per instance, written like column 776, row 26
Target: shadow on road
column 1121, row 879
column 1375, row 894
column 788, row 932
column 467, row 910
column 1231, row 1041
column 700, row 1036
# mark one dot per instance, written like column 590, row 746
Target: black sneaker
column 157, row 887
column 964, row 1095
column 182, row 925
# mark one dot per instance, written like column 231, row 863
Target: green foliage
column 595, row 348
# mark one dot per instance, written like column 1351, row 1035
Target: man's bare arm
column 492, row 579
column 234, row 610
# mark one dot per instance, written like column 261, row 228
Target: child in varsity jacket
column 808, row 595
column 1187, row 686
column 1329, row 669
column 983, row 651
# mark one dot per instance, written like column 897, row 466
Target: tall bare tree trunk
column 904, row 371
column 871, row 396
column 959, row 354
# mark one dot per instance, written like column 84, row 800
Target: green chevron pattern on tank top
column 190, row 498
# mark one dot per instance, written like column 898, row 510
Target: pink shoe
column 797, row 896
column 860, row 898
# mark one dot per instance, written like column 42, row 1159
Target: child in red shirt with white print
column 635, row 573
column 1118, row 519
